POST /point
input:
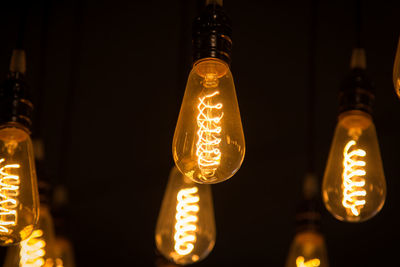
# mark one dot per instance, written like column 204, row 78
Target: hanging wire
column 39, row 91
column 358, row 22
column 77, row 37
column 310, row 137
column 21, row 32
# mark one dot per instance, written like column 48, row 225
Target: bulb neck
column 15, row 102
column 357, row 92
column 308, row 220
column 308, row 217
column 212, row 33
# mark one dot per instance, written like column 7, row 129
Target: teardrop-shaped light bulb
column 396, row 71
column 18, row 189
column 185, row 231
column 208, row 145
column 308, row 250
column 38, row 248
column 64, row 252
column 19, row 197
column 354, row 186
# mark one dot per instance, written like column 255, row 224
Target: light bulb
column 308, row 250
column 396, row 70
column 185, row 231
column 64, row 253
column 208, row 145
column 19, row 201
column 354, row 187
column 38, row 249
column 18, row 189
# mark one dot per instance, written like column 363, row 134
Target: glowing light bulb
column 354, row 187
column 64, row 253
column 19, row 202
column 308, row 250
column 208, row 145
column 185, row 231
column 38, row 249
column 18, row 189
column 396, row 71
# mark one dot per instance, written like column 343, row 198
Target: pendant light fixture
column 308, row 247
column 208, row 144
column 354, row 186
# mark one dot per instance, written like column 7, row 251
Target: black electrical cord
column 39, row 92
column 358, row 22
column 22, row 25
column 77, row 37
column 310, row 137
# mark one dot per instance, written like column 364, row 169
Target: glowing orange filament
column 300, row 262
column 208, row 153
column 9, row 191
column 353, row 180
column 32, row 250
column 186, row 218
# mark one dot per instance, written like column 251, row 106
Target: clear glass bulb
column 64, row 253
column 396, row 71
column 308, row 250
column 185, row 231
column 18, row 186
column 354, row 186
column 208, row 144
column 38, row 249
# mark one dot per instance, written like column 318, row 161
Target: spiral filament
column 186, row 218
column 9, row 191
column 353, row 180
column 32, row 251
column 209, row 123
column 300, row 262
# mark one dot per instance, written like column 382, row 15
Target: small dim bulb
column 64, row 253
column 396, row 71
column 354, row 186
column 185, row 231
column 208, row 145
column 38, row 249
column 308, row 250
column 18, row 189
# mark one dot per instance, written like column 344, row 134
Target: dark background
column 108, row 78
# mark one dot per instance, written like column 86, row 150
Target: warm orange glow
column 353, row 181
column 9, row 191
column 310, row 263
column 186, row 218
column 59, row 263
column 32, row 250
column 209, row 123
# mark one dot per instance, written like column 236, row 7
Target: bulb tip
column 18, row 61
column 358, row 59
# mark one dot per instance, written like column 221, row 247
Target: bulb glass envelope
column 308, row 250
column 208, row 145
column 38, row 248
column 18, row 187
column 396, row 71
column 185, row 231
column 354, row 187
